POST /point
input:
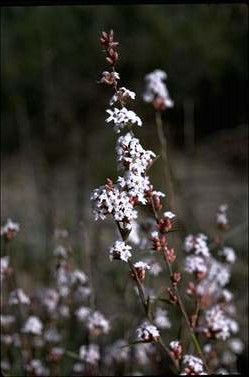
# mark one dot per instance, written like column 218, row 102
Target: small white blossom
column 115, row 202
column 161, row 319
column 10, row 229
column 36, row 368
column 197, row 244
column 98, row 324
column 236, row 345
column 51, row 335
column 221, row 216
column 142, row 265
column 192, row 365
column 82, row 313
column 155, row 267
column 18, row 297
column 156, row 88
column 147, row 332
column 218, row 324
column 64, row 311
column 60, row 251
column 79, row 277
column 122, row 117
column 90, row 354
column 195, row 264
column 170, row 215
column 117, row 352
column 50, row 300
column 120, row 251
column 81, row 293
column 122, row 94
column 228, row 254
column 4, row 263
column 33, row 326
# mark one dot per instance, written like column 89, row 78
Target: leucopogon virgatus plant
column 211, row 325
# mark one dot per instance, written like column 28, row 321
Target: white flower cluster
column 161, row 319
column 147, row 332
column 120, row 251
column 219, row 324
column 10, row 227
column 221, row 216
column 122, row 94
column 197, row 244
column 18, row 297
column 33, row 326
column 90, row 354
column 193, row 366
column 156, row 88
column 122, row 118
column 117, row 352
column 131, row 155
column 113, row 202
column 98, row 324
column 195, row 264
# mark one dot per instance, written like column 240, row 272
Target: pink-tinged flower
column 140, row 268
column 120, row 251
column 156, row 91
column 122, row 118
column 192, row 366
column 122, row 95
column 176, row 349
column 218, row 324
column 147, row 333
column 10, row 230
column 33, row 326
column 90, row 354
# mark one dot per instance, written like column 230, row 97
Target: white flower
column 122, row 94
column 131, row 155
column 117, row 352
column 155, row 267
column 36, row 368
column 4, row 263
column 192, row 365
column 143, row 352
column 60, row 251
column 10, row 228
column 6, row 320
column 156, row 88
column 196, row 264
column 228, row 254
column 170, row 215
column 90, row 354
column 236, row 345
column 161, row 319
column 120, row 251
column 51, row 299
column 218, row 324
column 79, row 277
column 18, row 297
column 221, row 216
column 115, row 202
column 82, row 313
column 51, row 335
column 197, row 244
column 142, row 265
column 122, row 117
column 147, row 332
column 134, row 236
column 136, row 185
column 98, row 324
column 33, row 325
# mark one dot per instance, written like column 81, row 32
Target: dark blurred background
column 56, row 147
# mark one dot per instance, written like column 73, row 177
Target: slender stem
column 166, row 167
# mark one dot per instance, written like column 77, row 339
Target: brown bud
column 172, row 296
column 176, row 278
